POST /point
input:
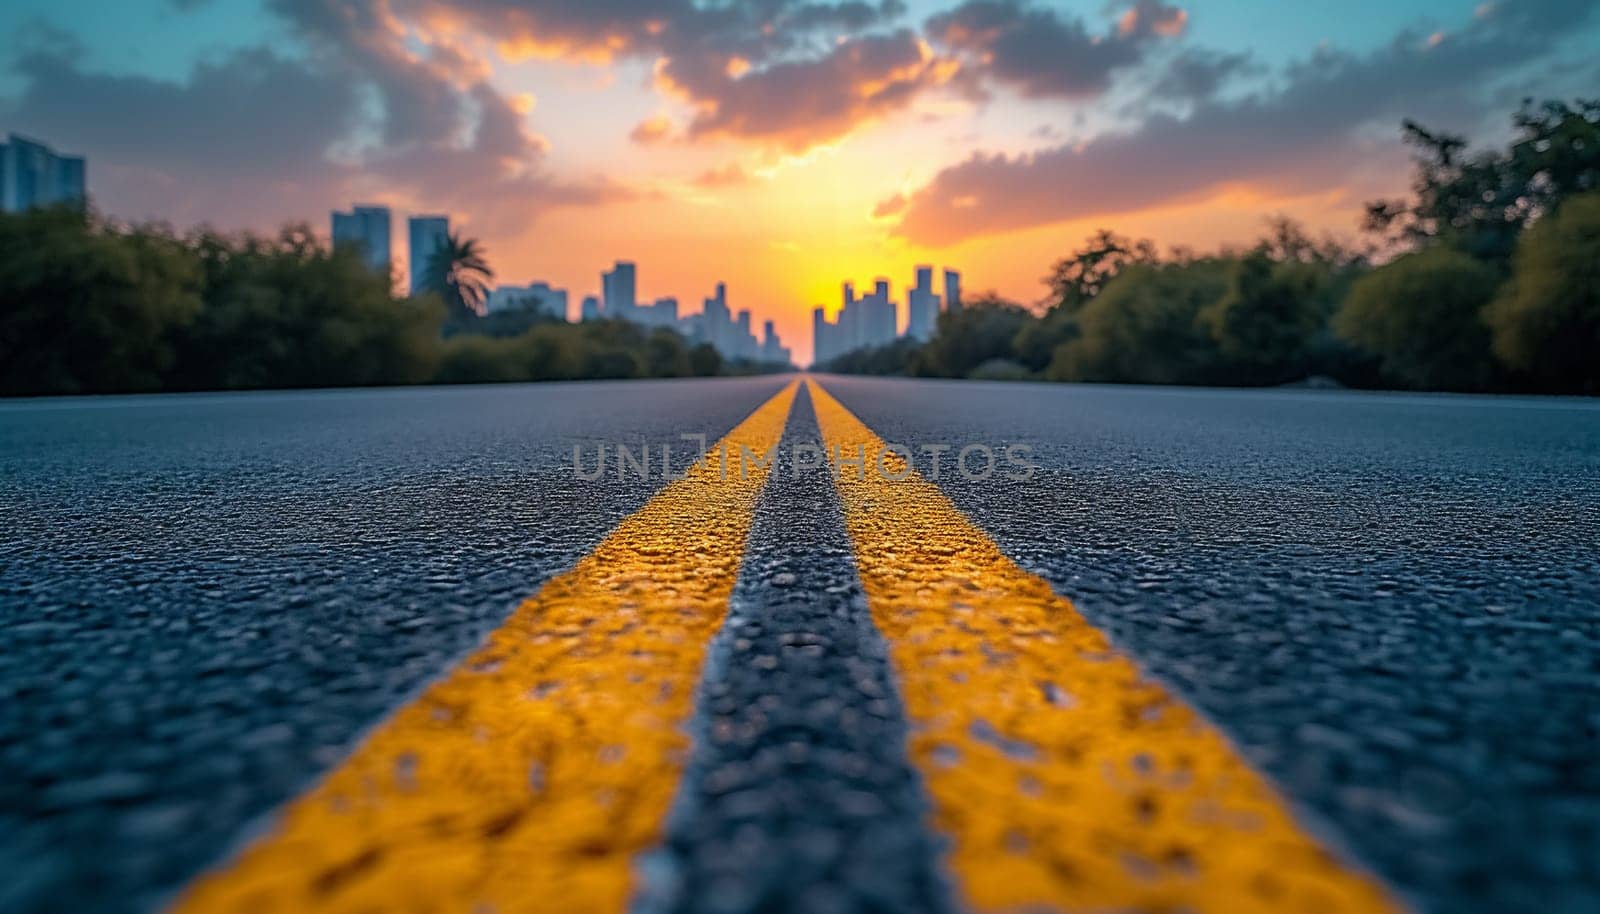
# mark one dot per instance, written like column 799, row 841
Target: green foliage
column 87, row 310
column 1546, row 323
column 1294, row 310
column 1144, row 328
column 1074, row 281
column 553, row 351
column 287, row 312
column 1264, row 323
column 458, row 272
column 1422, row 316
column 1480, row 203
column 86, row 306
column 1000, row 370
column 704, row 360
column 893, row 359
column 506, row 322
column 982, row 330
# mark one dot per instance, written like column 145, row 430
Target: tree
column 88, row 308
column 704, row 360
column 1546, row 322
column 666, row 355
column 889, row 359
column 1143, row 327
column 1480, row 203
column 1422, row 316
column 459, row 273
column 286, row 311
column 1074, row 281
column 1265, row 321
column 982, row 330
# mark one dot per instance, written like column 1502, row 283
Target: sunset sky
column 779, row 145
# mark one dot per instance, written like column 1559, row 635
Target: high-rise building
column 663, row 313
column 772, row 348
column 619, row 289
column 821, row 338
column 863, row 322
column 729, row 334
column 922, row 307
column 881, row 322
column 366, row 227
column 952, row 290
column 426, row 235
column 591, row 308
column 873, row 320
column 31, row 174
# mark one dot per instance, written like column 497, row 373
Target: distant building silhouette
column 425, row 236
column 716, row 324
column 772, row 348
column 619, row 290
column 32, row 174
column 922, row 307
column 536, row 296
column 952, row 291
column 873, row 320
column 367, row 228
column 662, row 313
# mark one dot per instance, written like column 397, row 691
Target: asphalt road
column 1390, row 604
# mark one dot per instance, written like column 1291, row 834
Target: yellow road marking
column 528, row 778
column 1065, row 779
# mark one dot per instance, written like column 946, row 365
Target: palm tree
column 459, row 272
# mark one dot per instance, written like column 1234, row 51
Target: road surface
column 394, row 650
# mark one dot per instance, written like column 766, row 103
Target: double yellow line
column 532, row 775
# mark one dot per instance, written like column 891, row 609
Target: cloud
column 368, row 109
column 890, row 206
column 1305, row 134
column 788, row 74
column 1152, row 17
column 249, row 130
column 651, row 130
column 1044, row 55
column 1197, row 74
column 798, row 104
column 729, row 175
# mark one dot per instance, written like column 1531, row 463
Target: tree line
column 88, row 305
column 1486, row 278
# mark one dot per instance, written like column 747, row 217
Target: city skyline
column 370, row 229
column 769, row 147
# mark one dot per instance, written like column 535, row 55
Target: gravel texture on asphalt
column 1390, row 602
column 799, row 796
column 205, row 599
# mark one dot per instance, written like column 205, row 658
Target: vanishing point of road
column 405, row 650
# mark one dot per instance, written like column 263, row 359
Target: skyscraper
column 425, row 236
column 366, row 227
column 772, row 348
column 881, row 323
column 822, row 341
column 922, row 307
column 873, row 320
column 952, row 291
column 664, row 312
column 591, row 309
column 618, row 288
column 31, row 174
